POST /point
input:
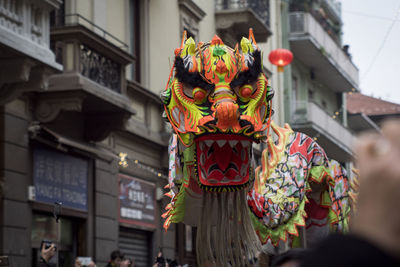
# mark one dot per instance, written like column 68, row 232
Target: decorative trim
column 54, row 3
column 192, row 9
column 190, row 16
column 22, row 78
column 48, row 108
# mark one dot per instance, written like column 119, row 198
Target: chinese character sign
column 60, row 177
column 136, row 201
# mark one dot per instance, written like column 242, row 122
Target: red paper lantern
column 280, row 57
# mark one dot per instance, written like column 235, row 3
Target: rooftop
column 359, row 103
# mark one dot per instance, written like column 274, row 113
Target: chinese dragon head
column 218, row 103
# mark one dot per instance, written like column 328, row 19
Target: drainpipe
column 344, row 109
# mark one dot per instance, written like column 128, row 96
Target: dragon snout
column 227, row 115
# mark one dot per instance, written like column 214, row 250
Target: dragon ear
column 250, row 51
column 189, row 48
column 245, row 46
column 249, row 45
column 184, row 37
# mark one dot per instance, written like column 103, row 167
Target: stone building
column 79, row 84
column 321, row 74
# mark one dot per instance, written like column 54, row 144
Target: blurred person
column 172, row 263
column 160, row 261
column 47, row 251
column 79, row 264
column 374, row 238
column 290, row 258
column 116, row 258
column 127, row 263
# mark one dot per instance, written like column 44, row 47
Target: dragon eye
column 187, row 90
column 247, row 90
column 199, row 94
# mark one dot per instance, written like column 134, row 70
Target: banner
column 60, row 177
column 136, row 201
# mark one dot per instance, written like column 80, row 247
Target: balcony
column 313, row 46
column 337, row 140
column 26, row 61
column 93, row 82
column 235, row 17
column 333, row 8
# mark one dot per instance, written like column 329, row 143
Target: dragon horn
column 252, row 39
column 184, row 37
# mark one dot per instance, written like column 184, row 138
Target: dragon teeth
column 221, row 143
column 201, row 145
column 202, row 159
column 203, row 173
column 245, row 143
column 209, row 142
column 233, row 143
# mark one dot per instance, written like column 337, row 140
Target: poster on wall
column 60, row 177
column 137, row 204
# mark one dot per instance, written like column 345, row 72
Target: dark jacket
column 42, row 263
column 345, row 251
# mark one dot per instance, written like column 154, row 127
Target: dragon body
column 218, row 102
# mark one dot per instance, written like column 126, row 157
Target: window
column 135, row 38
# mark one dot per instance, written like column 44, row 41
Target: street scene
column 199, row 133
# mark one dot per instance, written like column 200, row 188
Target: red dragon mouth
column 223, row 160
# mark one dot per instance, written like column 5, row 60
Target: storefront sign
column 136, row 201
column 60, row 177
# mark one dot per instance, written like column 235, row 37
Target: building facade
column 321, row 74
column 81, row 134
column 319, row 79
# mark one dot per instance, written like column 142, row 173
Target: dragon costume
column 218, row 103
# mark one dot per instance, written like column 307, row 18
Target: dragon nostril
column 227, row 112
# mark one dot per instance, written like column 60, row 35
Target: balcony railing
column 308, row 115
column 83, row 47
column 100, row 68
column 24, row 28
column 259, row 7
column 12, row 16
column 335, row 7
column 233, row 18
column 328, row 15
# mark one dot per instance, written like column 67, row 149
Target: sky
column 374, row 38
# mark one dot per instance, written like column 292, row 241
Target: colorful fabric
column 218, row 102
column 217, row 99
column 279, row 197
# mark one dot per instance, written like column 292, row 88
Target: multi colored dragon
column 218, row 103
